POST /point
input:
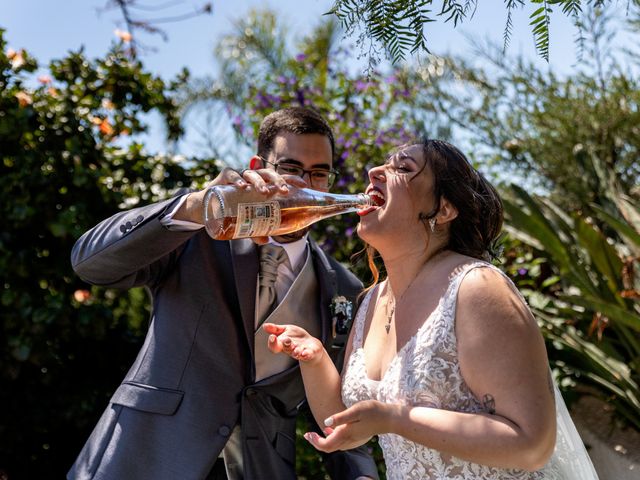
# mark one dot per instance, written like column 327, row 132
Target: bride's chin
column 367, row 234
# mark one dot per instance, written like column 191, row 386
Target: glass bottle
column 231, row 212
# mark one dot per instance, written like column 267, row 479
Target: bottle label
column 257, row 219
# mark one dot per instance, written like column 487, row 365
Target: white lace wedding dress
column 426, row 372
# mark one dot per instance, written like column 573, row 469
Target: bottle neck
column 355, row 200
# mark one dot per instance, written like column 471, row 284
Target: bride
column 445, row 362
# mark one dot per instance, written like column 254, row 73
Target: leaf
column 603, row 256
column 538, row 225
column 540, row 20
column 613, row 311
column 621, row 225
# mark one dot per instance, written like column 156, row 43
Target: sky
column 49, row 29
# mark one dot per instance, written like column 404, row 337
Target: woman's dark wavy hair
column 476, row 229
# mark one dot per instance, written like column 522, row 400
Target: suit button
column 139, row 218
column 123, row 229
column 224, row 431
column 128, row 225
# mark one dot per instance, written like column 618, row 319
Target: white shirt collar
column 295, row 251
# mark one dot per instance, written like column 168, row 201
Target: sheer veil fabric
column 570, row 458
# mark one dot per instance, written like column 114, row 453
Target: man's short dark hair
column 297, row 120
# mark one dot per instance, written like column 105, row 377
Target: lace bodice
column 425, row 372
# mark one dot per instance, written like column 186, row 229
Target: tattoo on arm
column 489, row 404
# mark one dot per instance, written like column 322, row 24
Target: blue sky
column 49, row 29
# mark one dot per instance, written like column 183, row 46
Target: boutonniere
column 341, row 315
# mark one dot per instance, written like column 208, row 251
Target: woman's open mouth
column 378, row 199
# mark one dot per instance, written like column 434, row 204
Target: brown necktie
column 270, row 257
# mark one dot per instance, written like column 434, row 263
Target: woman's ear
column 256, row 163
column 447, row 213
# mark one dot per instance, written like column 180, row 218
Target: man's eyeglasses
column 318, row 177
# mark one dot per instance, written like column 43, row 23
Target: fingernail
column 328, row 422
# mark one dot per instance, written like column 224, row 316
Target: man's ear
column 256, row 163
column 447, row 213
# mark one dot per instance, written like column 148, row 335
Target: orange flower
column 106, row 128
column 123, row 35
column 24, row 99
column 45, row 79
column 81, row 296
column 17, row 58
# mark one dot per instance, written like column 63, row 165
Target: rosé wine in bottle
column 231, row 212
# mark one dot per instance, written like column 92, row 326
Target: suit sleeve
column 129, row 249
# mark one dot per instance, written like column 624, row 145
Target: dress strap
column 461, row 272
column 457, row 276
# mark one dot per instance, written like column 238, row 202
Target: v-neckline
column 401, row 350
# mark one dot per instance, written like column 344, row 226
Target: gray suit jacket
column 193, row 378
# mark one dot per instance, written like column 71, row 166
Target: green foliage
column 399, row 25
column 544, row 131
column 592, row 317
column 540, row 21
column 65, row 166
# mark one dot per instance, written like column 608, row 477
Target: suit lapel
column 244, row 256
column 328, row 284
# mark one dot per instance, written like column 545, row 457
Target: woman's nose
column 376, row 173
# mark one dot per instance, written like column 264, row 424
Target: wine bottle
column 231, row 212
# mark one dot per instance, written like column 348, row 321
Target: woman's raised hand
column 294, row 341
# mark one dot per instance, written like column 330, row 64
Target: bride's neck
column 403, row 270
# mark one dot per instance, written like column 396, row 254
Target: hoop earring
column 432, row 224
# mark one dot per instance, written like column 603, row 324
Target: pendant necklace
column 391, row 310
column 390, row 306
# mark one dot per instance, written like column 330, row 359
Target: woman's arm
column 322, row 382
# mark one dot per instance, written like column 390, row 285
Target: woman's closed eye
column 400, row 169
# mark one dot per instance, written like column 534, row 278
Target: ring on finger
column 241, row 172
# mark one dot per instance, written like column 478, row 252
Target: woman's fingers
column 350, row 415
column 273, row 344
column 293, row 341
column 320, row 443
column 273, row 328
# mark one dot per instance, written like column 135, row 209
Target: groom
column 205, row 399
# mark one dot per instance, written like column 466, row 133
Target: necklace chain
column 391, row 310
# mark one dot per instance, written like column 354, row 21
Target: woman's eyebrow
column 406, row 156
